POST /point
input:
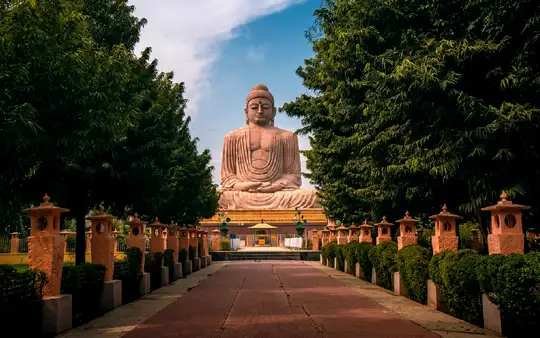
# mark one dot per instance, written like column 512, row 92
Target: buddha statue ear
column 246, row 112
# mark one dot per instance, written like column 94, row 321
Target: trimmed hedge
column 183, row 256
column 362, row 257
column 329, row 253
column 191, row 252
column 200, row 248
column 382, row 258
column 339, row 252
column 168, row 261
column 413, row 266
column 20, row 301
column 152, row 264
column 349, row 251
column 85, row 283
column 128, row 271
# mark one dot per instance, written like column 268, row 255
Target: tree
column 420, row 105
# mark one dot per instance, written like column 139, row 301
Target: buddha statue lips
column 261, row 163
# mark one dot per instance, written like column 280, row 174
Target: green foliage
column 412, row 98
column 434, row 267
column 362, row 256
column 413, row 266
column 85, row 283
column 512, row 282
column 339, row 253
column 20, row 300
column 191, row 251
column 329, row 253
column 349, row 253
column 153, row 261
column 200, row 247
column 129, row 272
column 460, row 286
column 383, row 260
column 225, row 244
column 168, row 261
column 183, row 256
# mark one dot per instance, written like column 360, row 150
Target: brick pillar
column 14, row 243
column 506, row 236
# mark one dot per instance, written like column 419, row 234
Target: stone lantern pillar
column 325, row 236
column 103, row 253
column 115, row 237
column 206, row 248
column 172, row 243
column 407, row 231
column 445, row 237
column 353, row 233
column 506, row 236
column 333, row 234
column 194, row 242
column 216, row 239
column 65, row 235
column 137, row 239
column 315, row 240
column 14, row 242
column 384, row 231
column 46, row 253
column 342, row 233
column 183, row 242
column 89, row 241
column 365, row 233
column 158, row 237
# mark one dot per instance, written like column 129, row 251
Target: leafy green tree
column 422, row 104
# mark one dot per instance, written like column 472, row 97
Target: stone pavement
column 276, row 299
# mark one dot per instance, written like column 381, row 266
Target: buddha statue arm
column 291, row 178
column 229, row 178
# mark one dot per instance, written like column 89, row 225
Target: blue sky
column 221, row 49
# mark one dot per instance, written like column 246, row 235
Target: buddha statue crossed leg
column 261, row 163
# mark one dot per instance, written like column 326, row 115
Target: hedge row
column 511, row 282
column 128, row 271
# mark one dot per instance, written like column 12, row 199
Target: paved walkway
column 271, row 299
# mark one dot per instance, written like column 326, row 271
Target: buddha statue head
column 260, row 109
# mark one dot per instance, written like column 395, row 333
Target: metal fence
column 5, row 245
column 23, row 245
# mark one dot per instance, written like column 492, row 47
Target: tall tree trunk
column 80, row 239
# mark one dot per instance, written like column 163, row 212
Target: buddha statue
column 261, row 163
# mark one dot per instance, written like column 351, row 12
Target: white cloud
column 256, row 54
column 185, row 35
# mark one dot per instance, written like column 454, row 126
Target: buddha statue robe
column 276, row 161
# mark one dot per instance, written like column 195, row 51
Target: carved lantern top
column 384, row 223
column 137, row 226
column 326, row 233
column 508, row 214
column 172, row 229
column 216, row 231
column 353, row 230
column 192, row 232
column 101, row 222
column 365, row 229
column 45, row 219
column 205, row 234
column 407, row 225
column 445, row 223
column 384, row 227
column 365, row 225
column 158, row 229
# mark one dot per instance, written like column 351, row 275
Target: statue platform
column 241, row 220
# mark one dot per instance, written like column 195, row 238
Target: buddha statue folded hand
column 261, row 163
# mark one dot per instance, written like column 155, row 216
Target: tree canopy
column 87, row 121
column 418, row 104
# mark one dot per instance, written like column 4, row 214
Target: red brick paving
column 275, row 299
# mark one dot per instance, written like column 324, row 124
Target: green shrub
column 191, row 251
column 460, row 285
column 20, row 301
column 362, row 257
column 339, row 252
column 435, row 267
column 424, row 239
column 413, row 266
column 383, row 259
column 153, row 262
column 200, row 247
column 183, row 256
column 85, row 283
column 349, row 252
column 513, row 283
column 128, row 271
column 225, row 244
column 330, row 250
column 168, row 261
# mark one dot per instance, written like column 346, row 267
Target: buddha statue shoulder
column 261, row 163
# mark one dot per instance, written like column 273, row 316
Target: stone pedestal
column 435, row 300
column 373, row 276
column 442, row 243
column 196, row 264
column 56, row 314
column 111, row 295
column 359, row 271
column 492, row 315
column 203, row 262
column 164, row 275
column 506, row 243
column 399, row 285
column 144, row 287
column 209, row 260
column 188, row 267
column 178, row 272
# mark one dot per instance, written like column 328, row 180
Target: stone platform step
column 265, row 255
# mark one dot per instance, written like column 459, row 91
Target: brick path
column 275, row 299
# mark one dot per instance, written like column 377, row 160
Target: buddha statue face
column 260, row 108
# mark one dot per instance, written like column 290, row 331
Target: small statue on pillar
column 407, row 231
column 445, row 237
column 506, row 236
column 384, row 231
